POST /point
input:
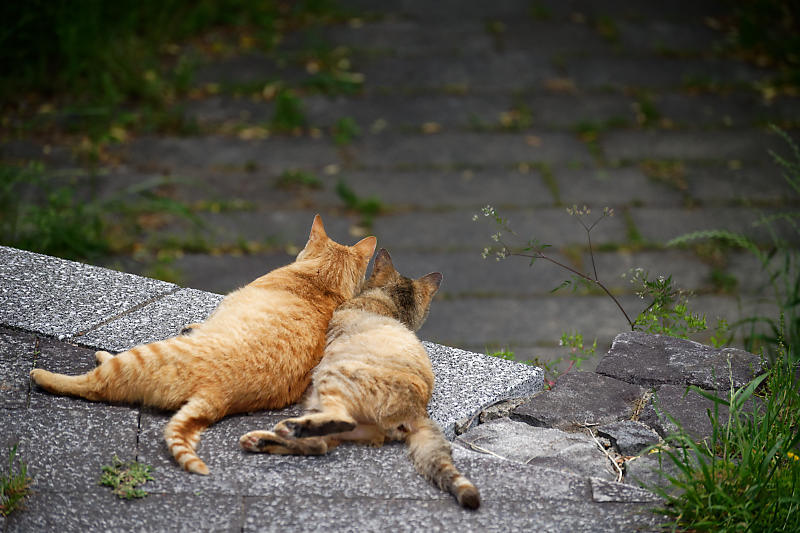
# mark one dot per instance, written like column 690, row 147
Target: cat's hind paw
column 189, row 328
column 269, row 442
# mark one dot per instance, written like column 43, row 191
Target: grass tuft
column 14, row 484
column 125, row 477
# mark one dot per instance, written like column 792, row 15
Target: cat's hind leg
column 269, row 442
column 84, row 385
column 182, row 432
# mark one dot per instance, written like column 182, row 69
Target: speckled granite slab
column 113, row 311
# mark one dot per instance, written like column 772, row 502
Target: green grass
column 367, row 208
column 297, row 179
column 14, row 484
column 746, row 476
column 124, row 478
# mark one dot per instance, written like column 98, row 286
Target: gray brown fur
column 374, row 383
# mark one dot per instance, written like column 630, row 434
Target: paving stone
column 689, row 409
column 507, row 513
column 527, row 321
column 157, row 321
column 17, row 352
column 660, row 36
column 644, row 359
column 752, row 184
column 608, row 491
column 740, row 145
column 687, row 270
column 453, row 150
column 457, row 229
column 468, row 382
column 671, row 73
column 87, row 295
column 629, row 437
column 573, row 453
column 660, row 225
column 182, row 156
column 580, row 398
column 646, row 471
column 740, row 109
column 99, row 510
column 66, row 448
column 477, row 71
column 617, row 187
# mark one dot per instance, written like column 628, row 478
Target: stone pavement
column 568, row 459
column 54, row 313
column 528, row 106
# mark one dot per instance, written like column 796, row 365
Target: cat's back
column 362, row 337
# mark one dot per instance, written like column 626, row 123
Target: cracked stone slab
column 63, row 298
column 629, row 436
column 574, row 453
column 647, row 360
column 467, row 382
column 154, row 322
column 580, row 398
column 609, row 491
column 689, row 409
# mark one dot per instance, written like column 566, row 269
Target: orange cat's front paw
column 102, row 356
column 259, row 441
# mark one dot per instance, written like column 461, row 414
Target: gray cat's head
column 411, row 297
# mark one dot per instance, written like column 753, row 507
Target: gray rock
column 689, row 409
column 580, row 398
column 610, row 491
column 629, row 437
column 644, row 359
column 574, row 453
column 652, row 471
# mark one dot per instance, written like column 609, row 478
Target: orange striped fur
column 374, row 383
column 256, row 351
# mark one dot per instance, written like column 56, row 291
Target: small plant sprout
column 14, row 484
column 124, row 478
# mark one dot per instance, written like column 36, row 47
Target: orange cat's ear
column 317, row 230
column 366, row 246
column 432, row 281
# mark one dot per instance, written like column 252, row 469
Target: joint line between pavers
column 126, row 312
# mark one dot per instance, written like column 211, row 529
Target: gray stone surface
column 574, row 453
column 17, row 351
column 157, row 321
column 644, row 359
column 85, row 296
column 629, row 437
column 608, row 491
column 467, row 382
column 580, row 398
column 688, row 409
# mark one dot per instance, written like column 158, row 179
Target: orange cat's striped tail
column 431, row 455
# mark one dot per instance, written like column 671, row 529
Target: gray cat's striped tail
column 431, row 455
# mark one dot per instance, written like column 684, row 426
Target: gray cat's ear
column 433, row 280
column 382, row 269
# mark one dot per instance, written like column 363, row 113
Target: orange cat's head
column 337, row 263
column 411, row 297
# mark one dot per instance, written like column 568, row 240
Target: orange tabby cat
column 255, row 351
column 374, row 383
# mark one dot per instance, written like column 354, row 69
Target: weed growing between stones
column 42, row 211
column 367, row 208
column 124, row 478
column 746, row 476
column 780, row 261
column 14, row 484
column 667, row 313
